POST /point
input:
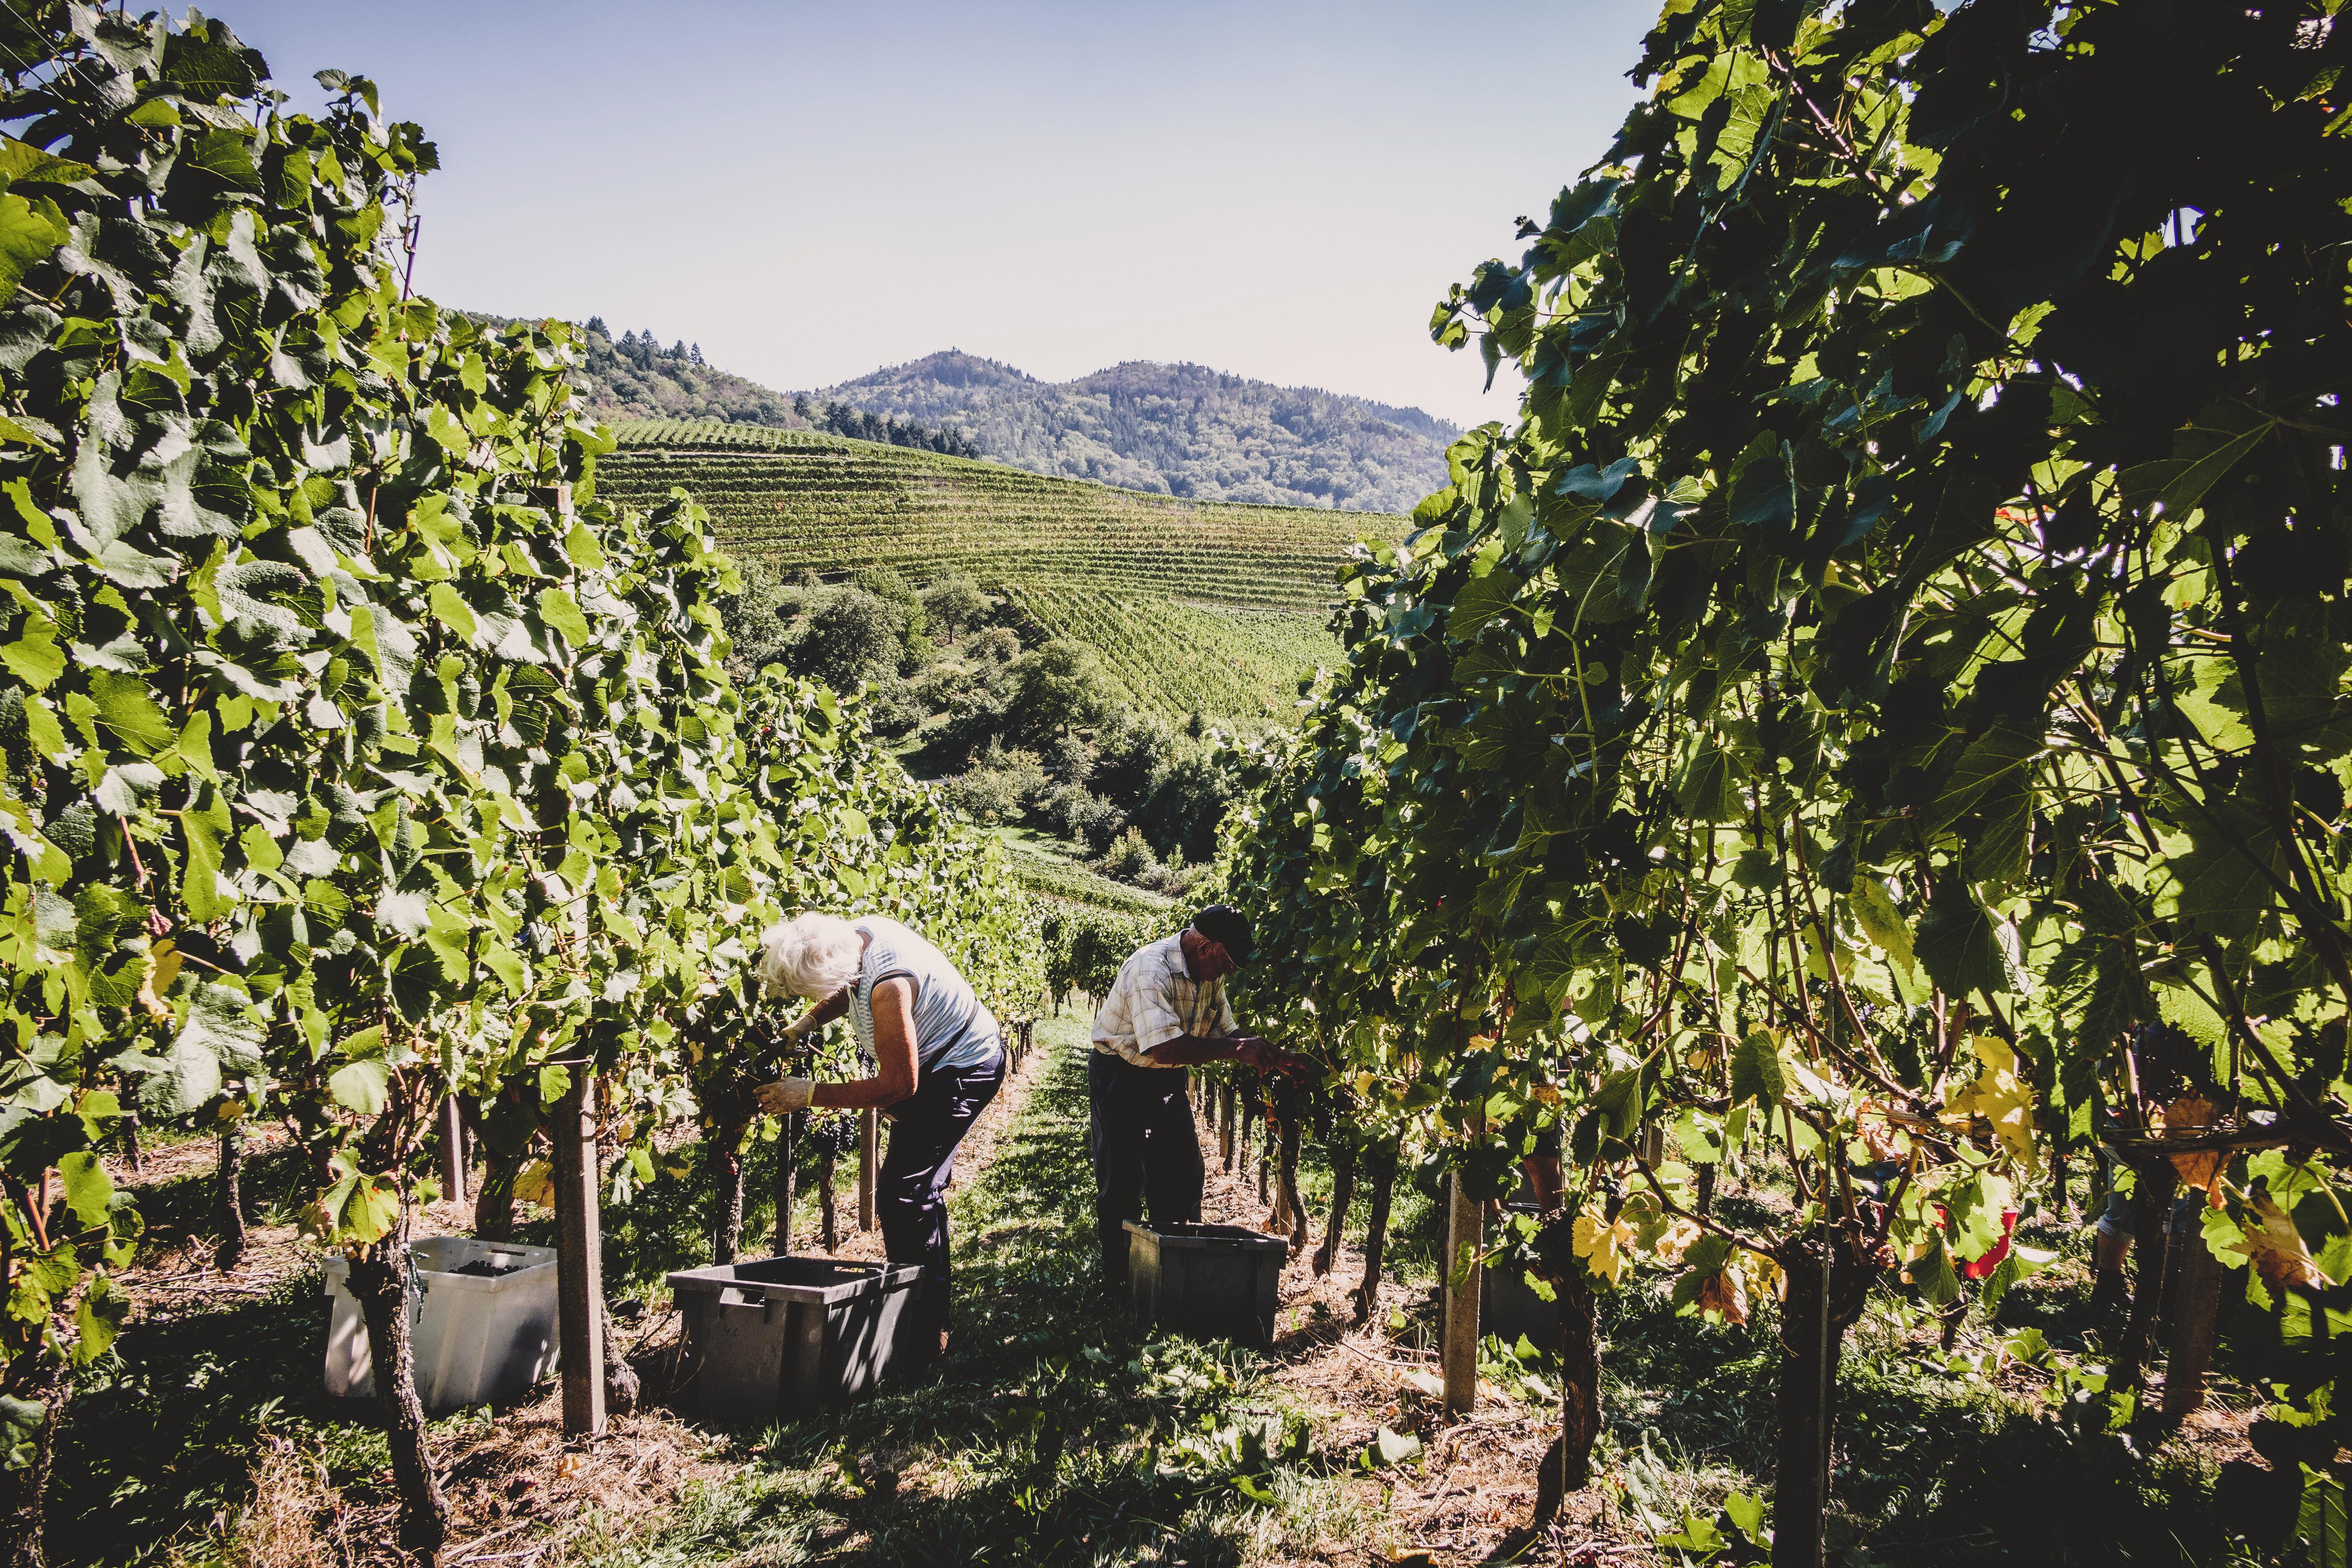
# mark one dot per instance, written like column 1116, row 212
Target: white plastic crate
column 477, row 1337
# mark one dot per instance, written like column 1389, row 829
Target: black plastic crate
column 1508, row 1306
column 1212, row 1282
column 766, row 1339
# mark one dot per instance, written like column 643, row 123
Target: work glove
column 784, row 1098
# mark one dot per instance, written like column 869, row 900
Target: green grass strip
column 1053, row 1432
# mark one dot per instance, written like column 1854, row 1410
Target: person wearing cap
column 1166, row 1012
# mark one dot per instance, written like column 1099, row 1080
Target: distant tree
column 885, row 582
column 1129, row 857
column 1057, row 687
column 1069, row 759
column 596, row 328
column 756, row 619
column 1187, row 801
column 851, row 637
column 1130, row 750
column 678, row 349
column 994, row 646
column 956, row 604
column 1084, row 818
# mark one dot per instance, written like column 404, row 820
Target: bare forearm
column 1187, row 1051
column 824, row 1013
column 860, row 1094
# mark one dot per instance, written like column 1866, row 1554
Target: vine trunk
column 384, row 1282
column 39, row 1381
column 1376, row 1229
column 1567, row 1465
column 1827, row 1286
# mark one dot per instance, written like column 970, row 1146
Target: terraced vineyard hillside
column 1205, row 607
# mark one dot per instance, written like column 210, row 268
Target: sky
column 812, row 192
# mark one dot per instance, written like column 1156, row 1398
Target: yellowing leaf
column 1725, row 1296
column 162, row 968
column 1997, row 1095
column 2201, row 1169
column 1601, row 1245
column 1765, row 1276
column 535, row 1184
column 2277, row 1250
column 1673, row 1238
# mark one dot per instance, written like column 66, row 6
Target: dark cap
column 1228, row 928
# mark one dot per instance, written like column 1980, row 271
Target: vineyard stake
column 2196, row 1314
column 1465, row 1234
column 870, row 1130
column 452, row 1152
column 229, row 1199
column 579, row 1264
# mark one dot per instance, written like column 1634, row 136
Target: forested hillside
column 1177, row 430
column 633, row 376
column 1065, row 652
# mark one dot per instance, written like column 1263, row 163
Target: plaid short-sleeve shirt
column 1154, row 1001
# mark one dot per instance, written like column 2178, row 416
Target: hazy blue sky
column 809, row 192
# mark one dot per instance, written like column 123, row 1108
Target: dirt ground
column 521, row 1494
column 1476, row 1487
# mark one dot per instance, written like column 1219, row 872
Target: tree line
column 1023, row 727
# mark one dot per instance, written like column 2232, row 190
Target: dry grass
column 296, row 1521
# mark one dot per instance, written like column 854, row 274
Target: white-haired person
column 936, row 1058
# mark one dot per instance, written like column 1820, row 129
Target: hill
column 1181, row 430
column 1195, row 607
column 1176, row 429
column 633, row 377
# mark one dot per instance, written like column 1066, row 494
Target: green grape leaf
column 1964, row 950
column 128, row 711
column 362, row 1085
column 1756, row 1072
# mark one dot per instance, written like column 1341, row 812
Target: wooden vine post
column 579, row 1261
column 452, row 1152
column 1465, row 1237
column 2196, row 1315
column 869, row 1137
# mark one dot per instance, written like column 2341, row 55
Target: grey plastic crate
column 1212, row 1282
column 766, row 1339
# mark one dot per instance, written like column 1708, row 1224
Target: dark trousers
column 911, row 1189
column 1139, row 1128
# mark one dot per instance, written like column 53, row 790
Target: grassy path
column 1052, row 1433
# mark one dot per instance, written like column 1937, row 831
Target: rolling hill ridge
column 1181, row 429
